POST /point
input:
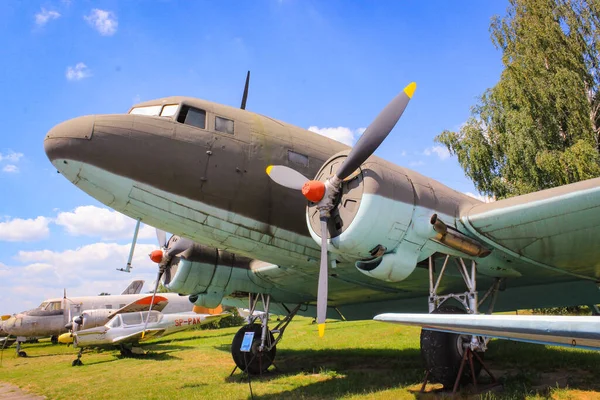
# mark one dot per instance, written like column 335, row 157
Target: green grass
column 362, row 359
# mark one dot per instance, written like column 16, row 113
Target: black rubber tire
column 54, row 339
column 76, row 363
column 125, row 352
column 22, row 354
column 441, row 354
column 253, row 362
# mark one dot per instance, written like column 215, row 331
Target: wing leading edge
column 555, row 228
column 579, row 332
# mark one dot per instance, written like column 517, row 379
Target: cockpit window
column 149, row 110
column 115, row 322
column 164, row 111
column 223, row 125
column 43, row 305
column 192, row 116
column 169, row 111
column 134, row 318
column 53, row 306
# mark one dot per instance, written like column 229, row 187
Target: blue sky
column 329, row 64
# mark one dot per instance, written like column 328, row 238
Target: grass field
column 363, row 359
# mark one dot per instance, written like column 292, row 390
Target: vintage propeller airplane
column 56, row 316
column 126, row 331
column 364, row 237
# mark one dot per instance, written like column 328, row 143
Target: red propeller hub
column 156, row 256
column 314, row 191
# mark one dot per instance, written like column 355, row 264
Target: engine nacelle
column 91, row 319
column 209, row 274
column 383, row 218
column 374, row 210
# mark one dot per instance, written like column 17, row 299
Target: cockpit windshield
column 115, row 322
column 43, row 305
column 168, row 110
column 53, row 306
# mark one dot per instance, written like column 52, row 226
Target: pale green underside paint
column 297, row 254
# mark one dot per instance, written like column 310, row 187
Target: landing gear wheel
column 54, row 339
column 125, row 352
column 254, row 362
column 442, row 353
column 22, row 354
column 76, row 363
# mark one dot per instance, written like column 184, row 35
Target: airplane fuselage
column 198, row 171
column 52, row 320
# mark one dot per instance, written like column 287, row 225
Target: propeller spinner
column 163, row 258
column 324, row 193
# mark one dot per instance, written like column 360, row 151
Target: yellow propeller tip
column 410, row 89
column 321, row 330
column 269, row 168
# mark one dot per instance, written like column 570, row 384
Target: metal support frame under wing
column 576, row 331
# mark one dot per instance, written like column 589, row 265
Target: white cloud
column 441, row 151
column 101, row 222
column 44, row 16
column 341, row 134
column 480, row 197
column 24, row 230
column 10, row 168
column 105, row 22
column 78, row 72
column 11, row 157
column 85, row 271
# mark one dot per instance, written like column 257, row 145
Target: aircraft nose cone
column 61, row 140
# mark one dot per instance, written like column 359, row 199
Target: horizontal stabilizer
column 580, row 332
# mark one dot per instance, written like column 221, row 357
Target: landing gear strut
column 77, row 362
column 453, row 359
column 20, row 353
column 262, row 350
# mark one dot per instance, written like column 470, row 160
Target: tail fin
column 134, row 287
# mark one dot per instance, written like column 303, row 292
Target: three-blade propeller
column 324, row 193
column 162, row 257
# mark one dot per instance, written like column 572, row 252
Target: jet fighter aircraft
column 125, row 331
column 361, row 237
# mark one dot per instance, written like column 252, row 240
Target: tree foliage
column 539, row 127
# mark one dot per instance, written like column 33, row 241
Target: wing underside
column 579, row 332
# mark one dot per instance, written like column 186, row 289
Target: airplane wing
column 137, row 336
column 551, row 228
column 207, row 319
column 134, row 287
column 580, row 332
column 143, row 304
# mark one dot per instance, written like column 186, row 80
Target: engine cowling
column 209, row 274
column 91, row 319
column 372, row 221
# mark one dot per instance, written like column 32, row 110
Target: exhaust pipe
column 457, row 240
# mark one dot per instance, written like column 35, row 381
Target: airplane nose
column 60, row 140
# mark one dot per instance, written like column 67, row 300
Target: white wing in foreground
column 580, row 332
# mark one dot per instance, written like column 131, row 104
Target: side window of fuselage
column 223, row 125
column 298, row 158
column 192, row 116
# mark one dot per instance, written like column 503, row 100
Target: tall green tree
column 539, row 127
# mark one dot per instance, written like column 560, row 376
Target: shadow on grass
column 523, row 369
column 342, row 372
column 186, row 339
